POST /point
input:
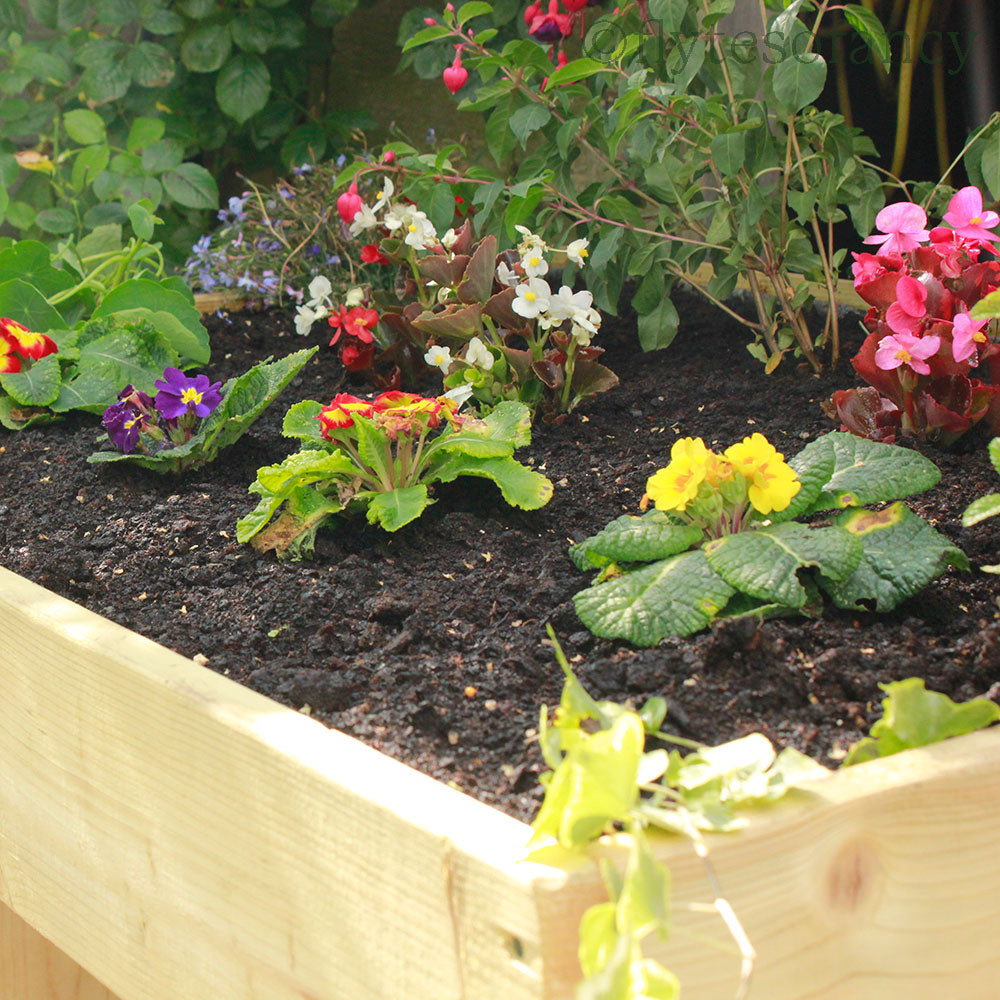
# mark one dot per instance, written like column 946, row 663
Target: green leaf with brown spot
column 901, row 554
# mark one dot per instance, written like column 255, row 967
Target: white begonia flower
column 449, row 239
column 531, row 243
column 305, row 316
column 439, row 357
column 478, row 355
column 567, row 304
column 365, row 218
column 319, row 289
column 534, row 264
column 387, row 192
column 506, row 275
column 355, row 297
column 420, row 232
column 577, row 251
column 460, row 394
column 531, row 298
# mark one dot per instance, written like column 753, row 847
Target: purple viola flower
column 178, row 394
column 123, row 423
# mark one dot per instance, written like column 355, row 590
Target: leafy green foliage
column 608, row 773
column 661, row 577
column 915, row 717
column 244, row 399
column 987, row 506
column 381, row 459
column 139, row 323
column 113, row 100
column 736, row 171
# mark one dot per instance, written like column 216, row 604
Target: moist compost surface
column 429, row 644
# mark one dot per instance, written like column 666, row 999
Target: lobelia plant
column 723, row 541
column 382, row 455
column 930, row 329
column 678, row 148
column 191, row 419
column 451, row 291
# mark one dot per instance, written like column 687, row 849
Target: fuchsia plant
column 933, row 370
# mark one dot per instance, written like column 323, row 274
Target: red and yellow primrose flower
column 19, row 346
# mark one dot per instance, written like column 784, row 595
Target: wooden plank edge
column 883, row 880
column 210, row 302
column 178, row 835
column 32, row 968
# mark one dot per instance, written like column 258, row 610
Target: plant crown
column 382, row 455
column 723, row 541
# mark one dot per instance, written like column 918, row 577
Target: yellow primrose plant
column 724, row 539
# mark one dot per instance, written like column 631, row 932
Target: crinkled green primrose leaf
column 901, row 554
column 635, row 539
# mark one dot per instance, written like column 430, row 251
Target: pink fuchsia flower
column 908, row 311
column 966, row 335
column 531, row 12
column 905, row 349
column 456, row 75
column 179, row 395
column 966, row 216
column 551, row 27
column 903, row 228
column 349, row 204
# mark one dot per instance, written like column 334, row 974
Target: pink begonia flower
column 908, row 311
column 966, row 216
column 905, row 349
column 966, row 334
column 903, row 227
column 349, row 204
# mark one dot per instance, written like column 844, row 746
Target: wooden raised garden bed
column 166, row 833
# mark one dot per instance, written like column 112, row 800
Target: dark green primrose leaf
column 35, row 386
column 634, row 539
column 676, row 596
column 901, row 555
column 855, row 472
column 915, row 717
column 765, row 563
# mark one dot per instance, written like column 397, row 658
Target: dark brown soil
column 429, row 644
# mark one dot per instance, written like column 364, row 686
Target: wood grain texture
column 184, row 838
column 881, row 883
column 32, row 968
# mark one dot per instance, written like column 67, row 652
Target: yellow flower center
column 530, row 296
column 979, row 337
column 903, row 355
column 976, row 220
column 190, row 395
column 129, row 424
column 534, row 261
column 412, row 228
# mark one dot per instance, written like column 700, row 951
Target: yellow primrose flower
column 674, row 487
column 717, row 470
column 772, row 482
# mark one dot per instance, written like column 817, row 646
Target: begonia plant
column 191, row 419
column 724, row 539
column 930, row 358
column 533, row 344
column 382, row 455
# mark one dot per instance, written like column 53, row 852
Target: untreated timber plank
column 180, row 836
column 882, row 882
column 32, row 968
